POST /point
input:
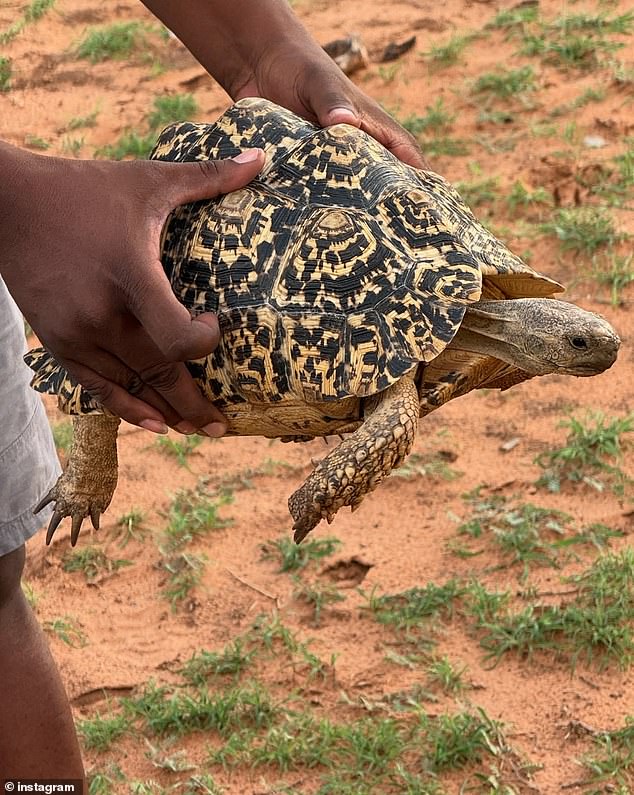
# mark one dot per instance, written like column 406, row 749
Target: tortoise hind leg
column 361, row 461
column 86, row 486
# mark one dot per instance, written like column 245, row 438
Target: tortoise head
column 543, row 335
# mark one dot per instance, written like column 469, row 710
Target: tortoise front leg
column 86, row 486
column 361, row 461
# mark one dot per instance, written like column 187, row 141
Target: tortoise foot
column 70, row 502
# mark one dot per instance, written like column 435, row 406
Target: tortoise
column 355, row 295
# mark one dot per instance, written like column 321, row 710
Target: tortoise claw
column 44, row 501
column 95, row 513
column 76, row 527
column 56, row 518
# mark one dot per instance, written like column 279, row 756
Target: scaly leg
column 361, row 461
column 86, row 486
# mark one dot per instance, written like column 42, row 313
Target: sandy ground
column 401, row 536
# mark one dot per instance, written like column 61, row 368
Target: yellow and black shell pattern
column 335, row 272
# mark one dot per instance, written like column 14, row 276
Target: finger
column 110, row 367
column 174, row 383
column 206, row 179
column 177, row 335
column 334, row 106
column 115, row 398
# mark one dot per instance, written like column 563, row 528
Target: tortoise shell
column 333, row 273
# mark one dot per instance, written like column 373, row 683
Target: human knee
column 11, row 567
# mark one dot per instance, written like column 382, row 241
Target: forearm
column 228, row 37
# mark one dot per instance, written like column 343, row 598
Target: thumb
column 206, row 179
column 176, row 334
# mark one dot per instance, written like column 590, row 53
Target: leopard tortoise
column 355, row 295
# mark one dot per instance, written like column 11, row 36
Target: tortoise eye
column 579, row 343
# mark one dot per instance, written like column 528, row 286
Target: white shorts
column 28, row 462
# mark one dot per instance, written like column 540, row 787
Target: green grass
column 442, row 55
column 615, row 272
column 129, row 145
column 81, row 122
column 115, row 41
column 6, row 71
column 165, row 110
column 130, row 527
column 100, row 732
column 478, row 192
column 437, row 119
column 506, row 83
column 617, row 185
column 172, row 108
column 180, row 448
column 582, row 230
column 67, row 630
column 185, row 571
column 62, row 435
column 524, row 533
column 521, row 196
column 234, row 659
column 595, row 625
column 92, row 561
column 449, row 677
column 611, row 762
column 317, row 595
column 407, row 610
column 31, row 13
column 192, row 514
column 36, row 142
column 293, row 557
column 516, row 17
column 591, row 455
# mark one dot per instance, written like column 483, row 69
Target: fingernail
column 154, row 425
column 342, row 116
column 248, row 156
column 215, row 429
column 185, row 427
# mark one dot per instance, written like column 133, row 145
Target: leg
column 88, row 482
column 361, row 461
column 37, row 736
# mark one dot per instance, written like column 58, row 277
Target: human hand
column 262, row 49
column 80, row 244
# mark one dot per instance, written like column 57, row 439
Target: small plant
column 67, row 630
column 617, row 273
column 233, row 659
column 115, row 41
column 129, row 145
column 73, row 146
column 516, row 17
column 591, row 455
column 185, row 573
column 180, row 448
column 407, row 609
column 613, row 758
column 292, row 556
column 449, row 53
column 130, row 527
column 92, row 561
column 99, row 732
column 596, row 623
column 35, row 142
column 32, row 12
column 80, row 122
column 6, row 70
column 317, row 595
column 521, row 196
column 193, row 514
column 583, row 230
column 506, row 83
column 172, row 108
column 437, row 119
column 448, row 676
